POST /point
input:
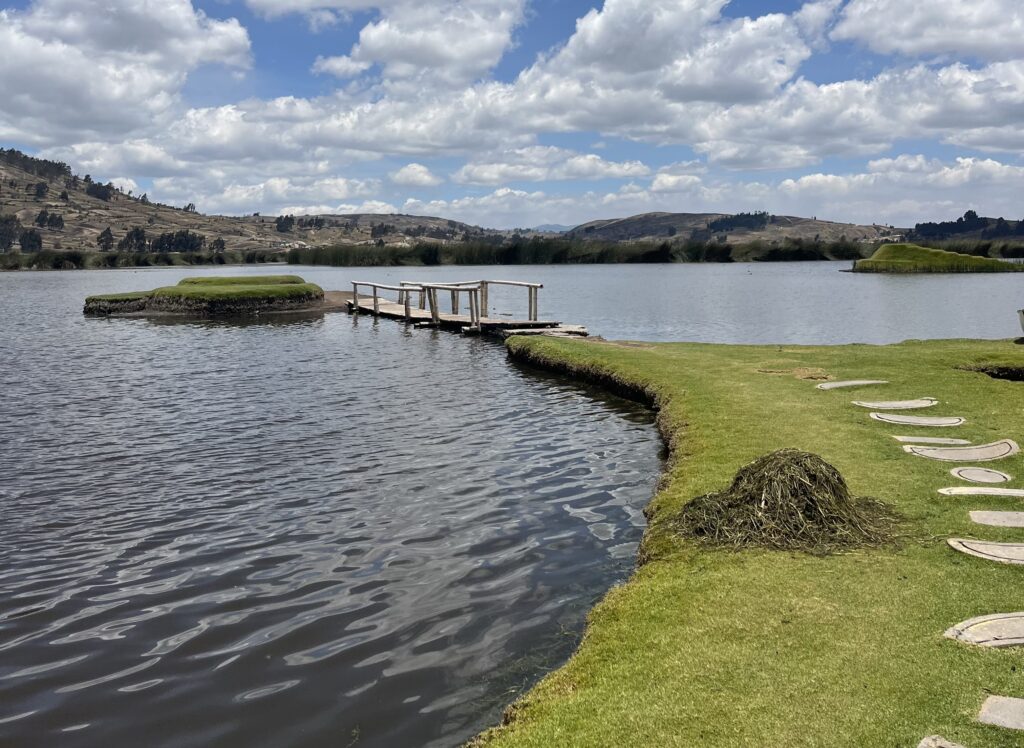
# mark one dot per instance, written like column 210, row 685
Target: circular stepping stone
column 980, row 475
column 850, row 383
column 931, row 440
column 999, row 519
column 999, row 630
column 937, row 741
column 981, row 491
column 924, row 402
column 1003, row 711
column 1004, row 553
column 936, row 421
column 980, row 453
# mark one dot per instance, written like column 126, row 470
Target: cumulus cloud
column 415, row 175
column 540, row 163
column 75, row 69
column 985, row 29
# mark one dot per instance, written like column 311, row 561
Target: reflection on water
column 294, row 532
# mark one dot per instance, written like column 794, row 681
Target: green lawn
column 910, row 258
column 706, row 647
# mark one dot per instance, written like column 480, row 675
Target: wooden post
column 536, row 304
column 435, row 313
column 408, row 309
column 455, row 302
column 355, row 298
column 474, row 308
column 484, row 306
column 532, row 293
column 401, row 296
column 376, row 302
column 423, row 299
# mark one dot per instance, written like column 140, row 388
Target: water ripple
column 299, row 533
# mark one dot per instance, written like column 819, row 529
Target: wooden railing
column 476, row 291
column 403, row 295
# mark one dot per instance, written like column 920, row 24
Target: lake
column 342, row 531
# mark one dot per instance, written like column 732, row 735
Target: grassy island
column 213, row 296
column 718, row 646
column 910, row 258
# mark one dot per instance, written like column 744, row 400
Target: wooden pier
column 420, row 304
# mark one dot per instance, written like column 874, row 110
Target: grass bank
column 910, row 258
column 212, row 296
column 708, row 647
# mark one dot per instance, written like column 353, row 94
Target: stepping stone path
column 1003, row 553
column 931, row 440
column 937, row 741
column 850, row 383
column 934, row 421
column 1000, row 630
column 995, row 631
column 981, row 491
column 980, row 453
column 999, row 519
column 924, row 402
column 980, row 475
column 1003, row 711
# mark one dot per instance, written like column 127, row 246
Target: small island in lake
column 910, row 258
column 217, row 296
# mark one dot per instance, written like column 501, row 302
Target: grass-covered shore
column 910, row 258
column 708, row 647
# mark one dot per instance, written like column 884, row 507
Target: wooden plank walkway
column 473, row 323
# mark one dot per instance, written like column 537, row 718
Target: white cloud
column 342, row 66
column 986, row 29
column 545, row 163
column 415, row 175
column 74, row 69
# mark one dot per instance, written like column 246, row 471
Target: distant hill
column 740, row 228
column 553, row 228
column 78, row 209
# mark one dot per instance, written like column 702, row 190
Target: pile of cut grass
column 910, row 258
column 243, row 280
column 788, row 500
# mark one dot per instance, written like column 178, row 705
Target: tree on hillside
column 10, row 230
column 30, row 241
column 144, row 199
column 217, row 245
column 42, row 218
column 179, row 241
column 105, row 240
column 101, row 191
column 190, row 208
column 55, row 222
column 134, row 240
column 41, row 190
column 64, row 195
column 284, row 224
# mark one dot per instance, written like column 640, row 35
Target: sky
column 518, row 113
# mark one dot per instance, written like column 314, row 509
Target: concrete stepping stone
column 999, row 519
column 935, row 421
column 980, row 475
column 924, row 402
column 981, row 453
column 931, row 440
column 1003, row 711
column 850, row 383
column 999, row 630
column 937, row 741
column 1003, row 553
column 981, row 491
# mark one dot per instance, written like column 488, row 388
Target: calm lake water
column 339, row 531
